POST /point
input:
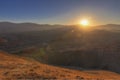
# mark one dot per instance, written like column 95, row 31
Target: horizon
column 65, row 12
column 52, row 24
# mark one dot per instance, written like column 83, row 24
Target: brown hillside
column 13, row 67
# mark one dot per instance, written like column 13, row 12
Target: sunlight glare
column 84, row 22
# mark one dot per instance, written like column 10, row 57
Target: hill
column 109, row 27
column 9, row 27
column 14, row 67
column 94, row 49
column 18, row 41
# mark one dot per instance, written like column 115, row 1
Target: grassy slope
column 13, row 67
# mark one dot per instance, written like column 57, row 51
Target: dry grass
column 13, row 67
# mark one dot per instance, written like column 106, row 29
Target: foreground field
column 14, row 67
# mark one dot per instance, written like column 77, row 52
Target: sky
column 60, row 11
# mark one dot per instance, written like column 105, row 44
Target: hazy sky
column 60, row 11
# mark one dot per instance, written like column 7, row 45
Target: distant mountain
column 8, row 27
column 110, row 27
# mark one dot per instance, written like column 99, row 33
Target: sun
column 84, row 22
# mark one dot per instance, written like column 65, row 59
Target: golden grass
column 13, row 67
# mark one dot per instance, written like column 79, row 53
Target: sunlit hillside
column 14, row 67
